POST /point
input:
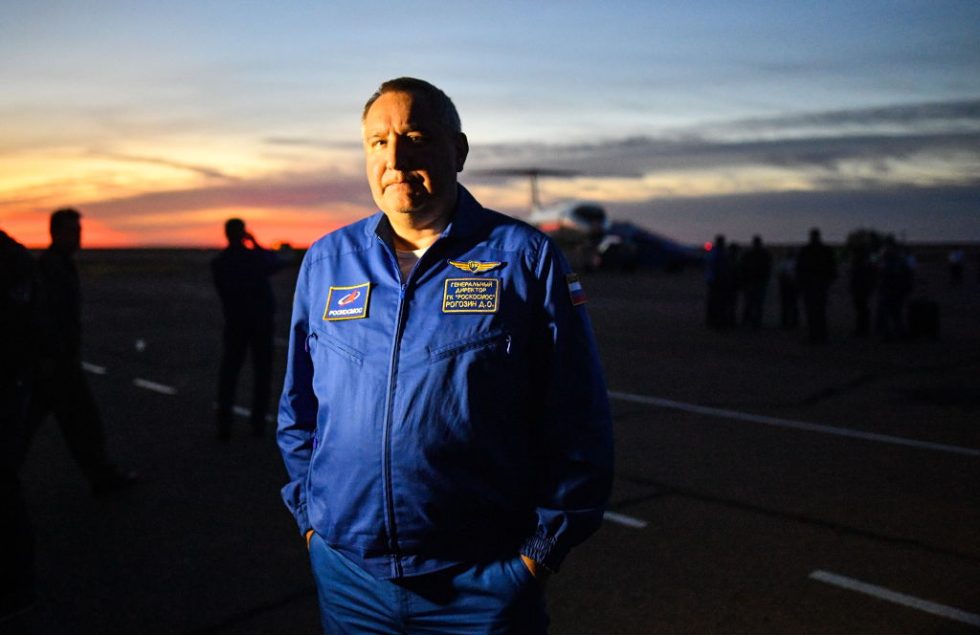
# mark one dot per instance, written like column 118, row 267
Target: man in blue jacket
column 444, row 420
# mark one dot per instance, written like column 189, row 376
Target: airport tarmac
column 762, row 485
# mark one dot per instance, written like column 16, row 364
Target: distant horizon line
column 776, row 244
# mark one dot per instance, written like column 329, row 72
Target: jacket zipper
column 396, row 564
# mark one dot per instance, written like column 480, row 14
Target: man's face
column 68, row 237
column 411, row 159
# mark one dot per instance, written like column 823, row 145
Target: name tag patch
column 471, row 295
column 347, row 303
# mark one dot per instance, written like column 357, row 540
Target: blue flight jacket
column 457, row 416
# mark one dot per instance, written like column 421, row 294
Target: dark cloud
column 950, row 114
column 211, row 173
column 821, row 141
column 651, row 155
column 297, row 192
column 930, row 214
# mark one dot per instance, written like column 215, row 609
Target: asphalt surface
column 763, row 485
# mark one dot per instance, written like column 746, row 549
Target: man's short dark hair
column 234, row 228
column 62, row 218
column 440, row 101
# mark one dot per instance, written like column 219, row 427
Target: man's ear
column 462, row 149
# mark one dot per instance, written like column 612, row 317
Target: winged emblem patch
column 474, row 266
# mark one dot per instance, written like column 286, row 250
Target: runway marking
column 93, row 368
column 245, row 412
column 154, row 386
column 895, row 597
column 623, row 519
column 792, row 424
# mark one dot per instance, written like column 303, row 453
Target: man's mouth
column 398, row 184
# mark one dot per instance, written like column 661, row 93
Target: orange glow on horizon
column 29, row 230
column 270, row 229
column 176, row 193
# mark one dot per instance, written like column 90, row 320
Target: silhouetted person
column 17, row 322
column 60, row 386
column 733, row 286
column 816, row 270
column 720, row 276
column 864, row 277
column 755, row 269
column 894, row 287
column 957, row 261
column 789, row 291
column 241, row 275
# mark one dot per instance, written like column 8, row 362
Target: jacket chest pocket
column 319, row 344
column 496, row 342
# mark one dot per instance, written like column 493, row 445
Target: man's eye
column 416, row 139
column 378, row 143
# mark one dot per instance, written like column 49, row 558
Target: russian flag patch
column 575, row 290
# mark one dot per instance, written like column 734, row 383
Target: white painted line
column 795, row 425
column 155, row 387
column 623, row 519
column 245, row 412
column 92, row 368
column 895, row 597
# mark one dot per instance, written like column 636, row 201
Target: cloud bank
column 912, row 168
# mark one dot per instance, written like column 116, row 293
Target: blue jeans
column 495, row 597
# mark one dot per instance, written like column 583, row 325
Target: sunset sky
column 159, row 120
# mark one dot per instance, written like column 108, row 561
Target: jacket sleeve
column 573, row 446
column 298, row 407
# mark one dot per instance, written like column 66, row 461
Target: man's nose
column 397, row 155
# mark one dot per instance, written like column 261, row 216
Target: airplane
column 591, row 240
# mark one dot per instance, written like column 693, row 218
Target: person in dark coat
column 241, row 275
column 17, row 319
column 864, row 278
column 789, row 292
column 816, row 270
column 956, row 260
column 720, row 275
column 893, row 289
column 733, row 284
column 60, row 387
column 755, row 269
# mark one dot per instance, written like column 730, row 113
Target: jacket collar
column 466, row 220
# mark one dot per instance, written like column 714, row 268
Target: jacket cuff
column 543, row 551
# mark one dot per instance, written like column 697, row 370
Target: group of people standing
column 730, row 272
column 888, row 273
column 884, row 274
